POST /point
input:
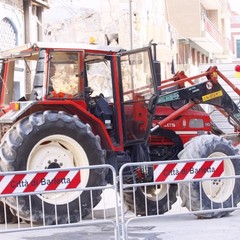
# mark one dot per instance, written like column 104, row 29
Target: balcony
column 213, row 4
column 210, row 37
column 202, row 24
column 41, row 3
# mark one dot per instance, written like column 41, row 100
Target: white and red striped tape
column 41, row 181
column 187, row 171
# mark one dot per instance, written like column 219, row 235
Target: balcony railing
column 212, row 30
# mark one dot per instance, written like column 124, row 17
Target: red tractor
column 70, row 105
column 84, row 105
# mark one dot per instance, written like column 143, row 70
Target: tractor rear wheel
column 53, row 140
column 211, row 194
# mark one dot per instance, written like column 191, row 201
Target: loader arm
column 208, row 92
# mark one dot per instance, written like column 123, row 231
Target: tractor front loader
column 183, row 130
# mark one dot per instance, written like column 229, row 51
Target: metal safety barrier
column 55, row 188
column 205, row 187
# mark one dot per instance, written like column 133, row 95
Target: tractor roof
column 25, row 49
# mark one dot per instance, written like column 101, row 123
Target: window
column 238, row 48
column 64, row 75
column 100, row 78
column 193, row 56
column 8, row 36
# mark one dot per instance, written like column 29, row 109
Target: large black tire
column 6, row 215
column 148, row 200
column 215, row 194
column 53, row 140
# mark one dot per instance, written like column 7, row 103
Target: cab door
column 139, row 93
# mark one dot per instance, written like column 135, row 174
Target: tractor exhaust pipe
column 156, row 64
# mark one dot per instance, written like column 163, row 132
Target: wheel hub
column 54, row 152
column 219, row 190
column 53, row 164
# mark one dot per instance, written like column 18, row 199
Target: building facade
column 203, row 32
column 235, row 36
column 128, row 23
column 187, row 33
column 20, row 22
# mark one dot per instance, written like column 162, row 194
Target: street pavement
column 177, row 224
column 169, row 227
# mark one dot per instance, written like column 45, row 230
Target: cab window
column 64, row 75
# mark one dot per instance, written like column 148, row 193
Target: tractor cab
column 111, row 89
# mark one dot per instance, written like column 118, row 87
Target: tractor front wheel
column 211, row 194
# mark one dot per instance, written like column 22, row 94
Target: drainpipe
column 27, row 8
column 131, row 24
column 40, row 19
